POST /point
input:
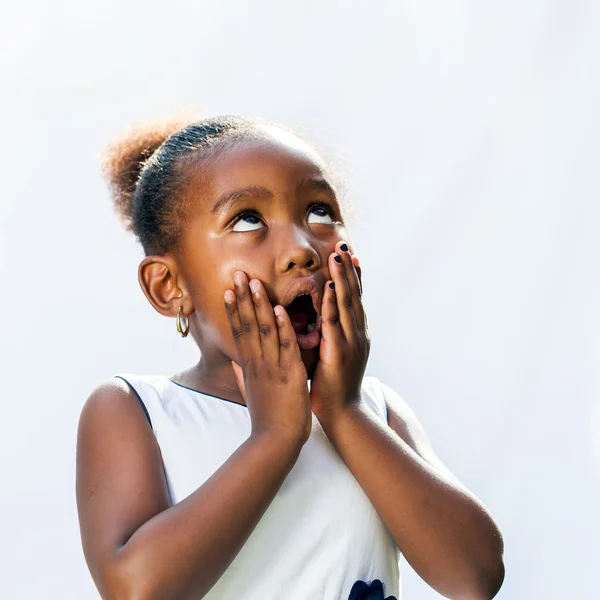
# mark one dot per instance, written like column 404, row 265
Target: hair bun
column 125, row 157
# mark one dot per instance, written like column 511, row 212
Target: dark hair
column 144, row 170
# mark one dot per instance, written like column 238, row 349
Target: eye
column 247, row 221
column 321, row 213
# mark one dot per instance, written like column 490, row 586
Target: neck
column 212, row 375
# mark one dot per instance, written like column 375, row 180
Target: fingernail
column 238, row 278
column 337, row 258
column 278, row 310
column 254, row 286
column 331, row 285
column 344, row 248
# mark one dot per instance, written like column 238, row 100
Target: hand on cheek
column 270, row 375
column 345, row 341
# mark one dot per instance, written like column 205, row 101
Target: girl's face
column 268, row 208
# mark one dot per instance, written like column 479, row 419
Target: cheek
column 329, row 247
column 217, row 278
column 211, row 314
column 249, row 264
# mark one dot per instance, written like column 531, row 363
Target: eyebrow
column 229, row 199
column 318, row 184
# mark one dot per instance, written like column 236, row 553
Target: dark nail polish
column 344, row 248
column 337, row 258
column 331, row 285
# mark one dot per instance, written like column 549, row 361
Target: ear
column 158, row 279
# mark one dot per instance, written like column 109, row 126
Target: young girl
column 235, row 479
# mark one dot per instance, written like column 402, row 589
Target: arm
column 443, row 530
column 137, row 545
column 403, row 420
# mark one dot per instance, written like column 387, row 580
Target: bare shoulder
column 111, row 411
column 120, row 479
column 403, row 420
column 111, row 395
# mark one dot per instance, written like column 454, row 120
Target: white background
column 468, row 134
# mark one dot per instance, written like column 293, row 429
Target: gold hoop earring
column 180, row 317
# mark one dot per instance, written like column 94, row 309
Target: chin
column 310, row 358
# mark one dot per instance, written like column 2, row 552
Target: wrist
column 279, row 442
column 335, row 419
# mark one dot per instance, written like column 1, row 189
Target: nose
column 297, row 252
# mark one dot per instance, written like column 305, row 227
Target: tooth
column 311, row 327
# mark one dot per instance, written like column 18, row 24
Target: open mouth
column 302, row 314
column 305, row 321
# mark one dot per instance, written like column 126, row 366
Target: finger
column 343, row 296
column 356, row 264
column 239, row 378
column 247, row 316
column 331, row 329
column 267, row 327
column 358, row 268
column 289, row 351
column 354, row 283
column 233, row 315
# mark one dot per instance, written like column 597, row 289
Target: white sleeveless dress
column 319, row 536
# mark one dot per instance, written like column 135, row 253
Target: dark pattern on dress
column 363, row 591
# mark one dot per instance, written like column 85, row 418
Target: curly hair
column 145, row 172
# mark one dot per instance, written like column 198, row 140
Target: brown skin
column 136, row 543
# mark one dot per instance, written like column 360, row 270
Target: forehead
column 270, row 158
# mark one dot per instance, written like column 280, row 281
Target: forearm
column 182, row 552
column 444, row 532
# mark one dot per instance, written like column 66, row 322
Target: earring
column 180, row 317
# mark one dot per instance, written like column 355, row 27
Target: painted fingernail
column 337, row 258
column 331, row 285
column 254, row 286
column 344, row 248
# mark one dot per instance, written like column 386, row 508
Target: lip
column 308, row 341
column 304, row 285
column 312, row 286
